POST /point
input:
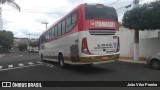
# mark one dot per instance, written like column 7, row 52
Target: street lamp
column 45, row 23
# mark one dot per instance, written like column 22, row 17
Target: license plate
column 104, row 57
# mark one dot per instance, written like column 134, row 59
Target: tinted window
column 68, row 21
column 50, row 34
column 95, row 12
column 63, row 27
column 55, row 31
column 47, row 35
column 59, row 29
column 43, row 38
column 74, row 17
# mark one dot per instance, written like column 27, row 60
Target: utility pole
column 45, row 23
column 136, row 36
column 1, row 20
column 28, row 41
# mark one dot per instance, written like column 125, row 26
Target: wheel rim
column 156, row 65
column 61, row 61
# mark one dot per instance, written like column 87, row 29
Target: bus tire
column 61, row 61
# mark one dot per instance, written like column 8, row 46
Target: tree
column 145, row 17
column 33, row 43
column 10, row 2
column 6, row 40
column 22, row 46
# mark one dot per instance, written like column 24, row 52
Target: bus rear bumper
column 81, row 63
column 97, row 59
column 103, row 62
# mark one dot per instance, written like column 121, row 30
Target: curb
column 132, row 61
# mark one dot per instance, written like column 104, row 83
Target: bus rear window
column 96, row 12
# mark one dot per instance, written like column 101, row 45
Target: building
column 18, row 41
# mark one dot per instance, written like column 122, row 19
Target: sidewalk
column 141, row 60
column 1, row 55
column 133, row 61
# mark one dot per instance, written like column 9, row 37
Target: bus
column 86, row 35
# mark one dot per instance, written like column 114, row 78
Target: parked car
column 154, row 61
column 36, row 50
column 30, row 50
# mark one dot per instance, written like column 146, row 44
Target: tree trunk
column 136, row 44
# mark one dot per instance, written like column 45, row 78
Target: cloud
column 33, row 12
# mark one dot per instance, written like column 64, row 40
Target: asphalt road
column 24, row 66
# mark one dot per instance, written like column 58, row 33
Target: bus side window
column 47, row 35
column 55, row 31
column 63, row 26
column 68, row 23
column 52, row 32
column 74, row 18
column 59, row 29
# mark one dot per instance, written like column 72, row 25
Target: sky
column 34, row 12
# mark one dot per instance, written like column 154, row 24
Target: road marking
column 39, row 62
column 50, row 65
column 30, row 63
column 1, row 67
column 20, row 67
column 10, row 66
column 21, row 64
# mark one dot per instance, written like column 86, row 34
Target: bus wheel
column 61, row 61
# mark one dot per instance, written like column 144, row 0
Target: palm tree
column 10, row 2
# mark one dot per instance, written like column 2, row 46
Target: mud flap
column 74, row 53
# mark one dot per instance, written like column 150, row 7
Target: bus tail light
column 85, row 49
column 118, row 45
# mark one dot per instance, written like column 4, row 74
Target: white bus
column 86, row 35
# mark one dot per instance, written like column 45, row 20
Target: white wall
column 149, row 42
column 149, row 46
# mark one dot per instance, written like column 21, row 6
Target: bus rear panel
column 99, row 42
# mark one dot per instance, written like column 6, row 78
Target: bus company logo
column 103, row 24
column 6, row 84
column 92, row 23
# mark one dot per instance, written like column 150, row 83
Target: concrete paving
column 1, row 55
column 133, row 61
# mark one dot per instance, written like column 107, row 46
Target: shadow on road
column 88, row 68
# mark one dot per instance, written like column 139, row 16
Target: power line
column 65, row 8
column 113, row 2
column 127, row 6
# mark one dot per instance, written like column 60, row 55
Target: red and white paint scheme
column 86, row 35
